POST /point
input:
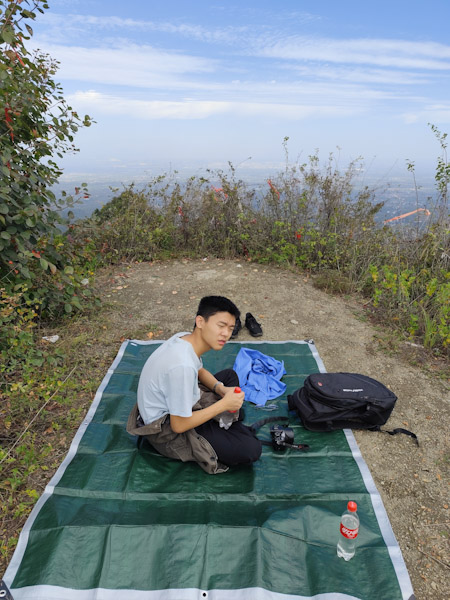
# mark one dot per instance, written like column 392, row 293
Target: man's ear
column 199, row 321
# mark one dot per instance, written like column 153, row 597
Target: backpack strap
column 395, row 431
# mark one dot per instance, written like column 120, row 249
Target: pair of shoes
column 253, row 326
column 237, row 328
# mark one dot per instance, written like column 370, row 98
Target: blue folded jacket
column 259, row 376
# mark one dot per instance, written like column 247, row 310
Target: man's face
column 217, row 330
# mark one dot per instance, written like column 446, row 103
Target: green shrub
column 38, row 125
column 18, row 320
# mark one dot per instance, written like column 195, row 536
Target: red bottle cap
column 352, row 506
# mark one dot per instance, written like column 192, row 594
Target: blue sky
column 176, row 84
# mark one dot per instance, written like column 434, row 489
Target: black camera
column 281, row 437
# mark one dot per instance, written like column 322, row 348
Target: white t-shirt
column 169, row 380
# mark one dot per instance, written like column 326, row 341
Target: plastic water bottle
column 226, row 419
column 349, row 528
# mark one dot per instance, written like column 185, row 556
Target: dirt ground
column 155, row 300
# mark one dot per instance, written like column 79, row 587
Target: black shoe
column 237, row 328
column 253, row 326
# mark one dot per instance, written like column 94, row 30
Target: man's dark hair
column 210, row 305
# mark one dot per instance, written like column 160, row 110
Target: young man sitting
column 180, row 403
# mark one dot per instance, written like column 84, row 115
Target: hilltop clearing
column 155, row 300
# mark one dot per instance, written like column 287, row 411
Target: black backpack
column 330, row 401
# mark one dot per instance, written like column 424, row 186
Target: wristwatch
column 216, row 384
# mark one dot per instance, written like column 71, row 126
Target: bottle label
column 349, row 533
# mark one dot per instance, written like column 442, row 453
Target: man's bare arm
column 231, row 401
column 209, row 381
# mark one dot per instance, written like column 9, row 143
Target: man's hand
column 222, row 390
column 232, row 400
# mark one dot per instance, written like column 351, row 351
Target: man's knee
column 228, row 377
column 254, row 450
column 249, row 449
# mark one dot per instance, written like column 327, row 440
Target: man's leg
column 234, row 446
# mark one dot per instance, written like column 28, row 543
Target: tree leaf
column 27, row 13
column 8, row 35
column 25, row 272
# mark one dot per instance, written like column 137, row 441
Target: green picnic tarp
column 120, row 521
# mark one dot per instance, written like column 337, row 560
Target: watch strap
column 216, row 384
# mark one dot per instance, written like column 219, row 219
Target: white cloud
column 260, row 41
column 77, row 23
column 361, row 75
column 103, row 104
column 432, row 113
column 380, row 52
column 167, row 73
column 125, row 64
column 144, row 109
